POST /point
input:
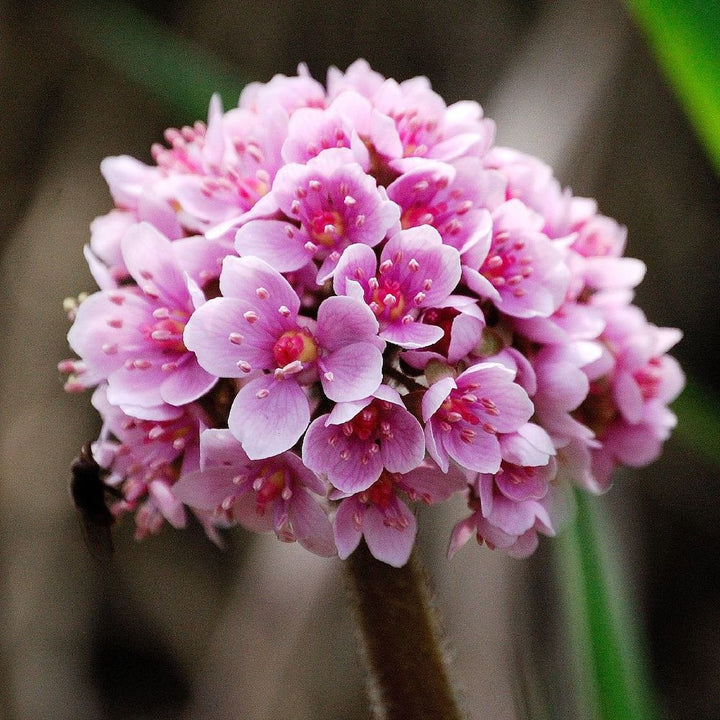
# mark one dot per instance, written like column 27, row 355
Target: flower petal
column 268, row 416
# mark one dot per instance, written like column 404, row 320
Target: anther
column 262, row 293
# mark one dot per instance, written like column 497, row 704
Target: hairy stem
column 408, row 677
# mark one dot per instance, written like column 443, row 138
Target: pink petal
column 208, row 333
column 405, row 450
column 412, row 335
column 242, row 277
column 352, row 372
column 187, row 383
column 343, row 320
column 359, row 263
column 389, row 544
column 269, row 424
column 430, row 484
column 311, row 525
column 347, row 533
column 205, row 489
column 149, row 258
column 274, row 241
column 482, row 454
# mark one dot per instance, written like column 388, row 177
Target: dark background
column 174, row 628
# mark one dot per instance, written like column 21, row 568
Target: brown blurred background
column 176, row 629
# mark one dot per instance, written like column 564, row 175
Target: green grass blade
column 611, row 673
column 685, row 37
column 175, row 72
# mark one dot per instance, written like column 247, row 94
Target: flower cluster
column 326, row 305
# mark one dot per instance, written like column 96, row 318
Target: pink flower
column 634, row 419
column 386, row 522
column 144, row 457
column 329, row 204
column 507, row 525
column 416, row 271
column 523, row 273
column 451, row 198
column 357, row 440
column 465, row 416
column 132, row 336
column 277, row 494
column 429, row 128
column 255, row 331
column 282, row 92
column 311, row 272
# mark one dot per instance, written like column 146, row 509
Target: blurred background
column 174, row 628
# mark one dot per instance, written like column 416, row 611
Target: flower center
column 442, row 318
column 457, row 407
column 365, row 424
column 326, row 227
column 295, row 345
column 268, row 488
column 382, row 491
column 648, row 379
column 418, row 215
column 508, row 263
column 389, row 299
column 167, row 331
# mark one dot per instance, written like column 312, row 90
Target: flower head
column 324, row 305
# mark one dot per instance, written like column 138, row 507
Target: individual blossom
column 501, row 523
column 354, row 443
column 255, row 331
column 416, row 271
column 132, row 336
column 348, row 122
column 523, row 272
column 277, row 494
column 429, row 128
column 453, row 198
column 143, row 459
column 329, row 204
column 464, row 416
column 627, row 407
column 283, row 92
column 381, row 516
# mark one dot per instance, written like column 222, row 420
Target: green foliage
column 685, row 37
column 178, row 74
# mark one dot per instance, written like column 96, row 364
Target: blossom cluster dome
column 329, row 305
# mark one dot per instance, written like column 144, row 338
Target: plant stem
column 408, row 677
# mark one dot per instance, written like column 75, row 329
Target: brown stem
column 408, row 678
